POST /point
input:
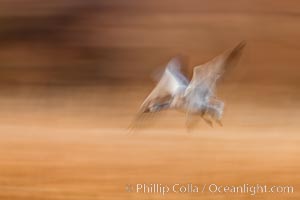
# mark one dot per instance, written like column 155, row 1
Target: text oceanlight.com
column 163, row 189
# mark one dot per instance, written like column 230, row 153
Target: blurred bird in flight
column 197, row 97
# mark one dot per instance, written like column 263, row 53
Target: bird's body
column 174, row 91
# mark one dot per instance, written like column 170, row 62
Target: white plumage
column 173, row 91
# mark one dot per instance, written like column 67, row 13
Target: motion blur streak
column 73, row 74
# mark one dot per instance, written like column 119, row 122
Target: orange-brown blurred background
column 73, row 74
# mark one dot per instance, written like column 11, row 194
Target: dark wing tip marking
column 233, row 55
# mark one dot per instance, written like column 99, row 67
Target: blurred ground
column 74, row 73
column 72, row 143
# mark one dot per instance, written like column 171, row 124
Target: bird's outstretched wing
column 206, row 75
column 171, row 83
column 201, row 88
